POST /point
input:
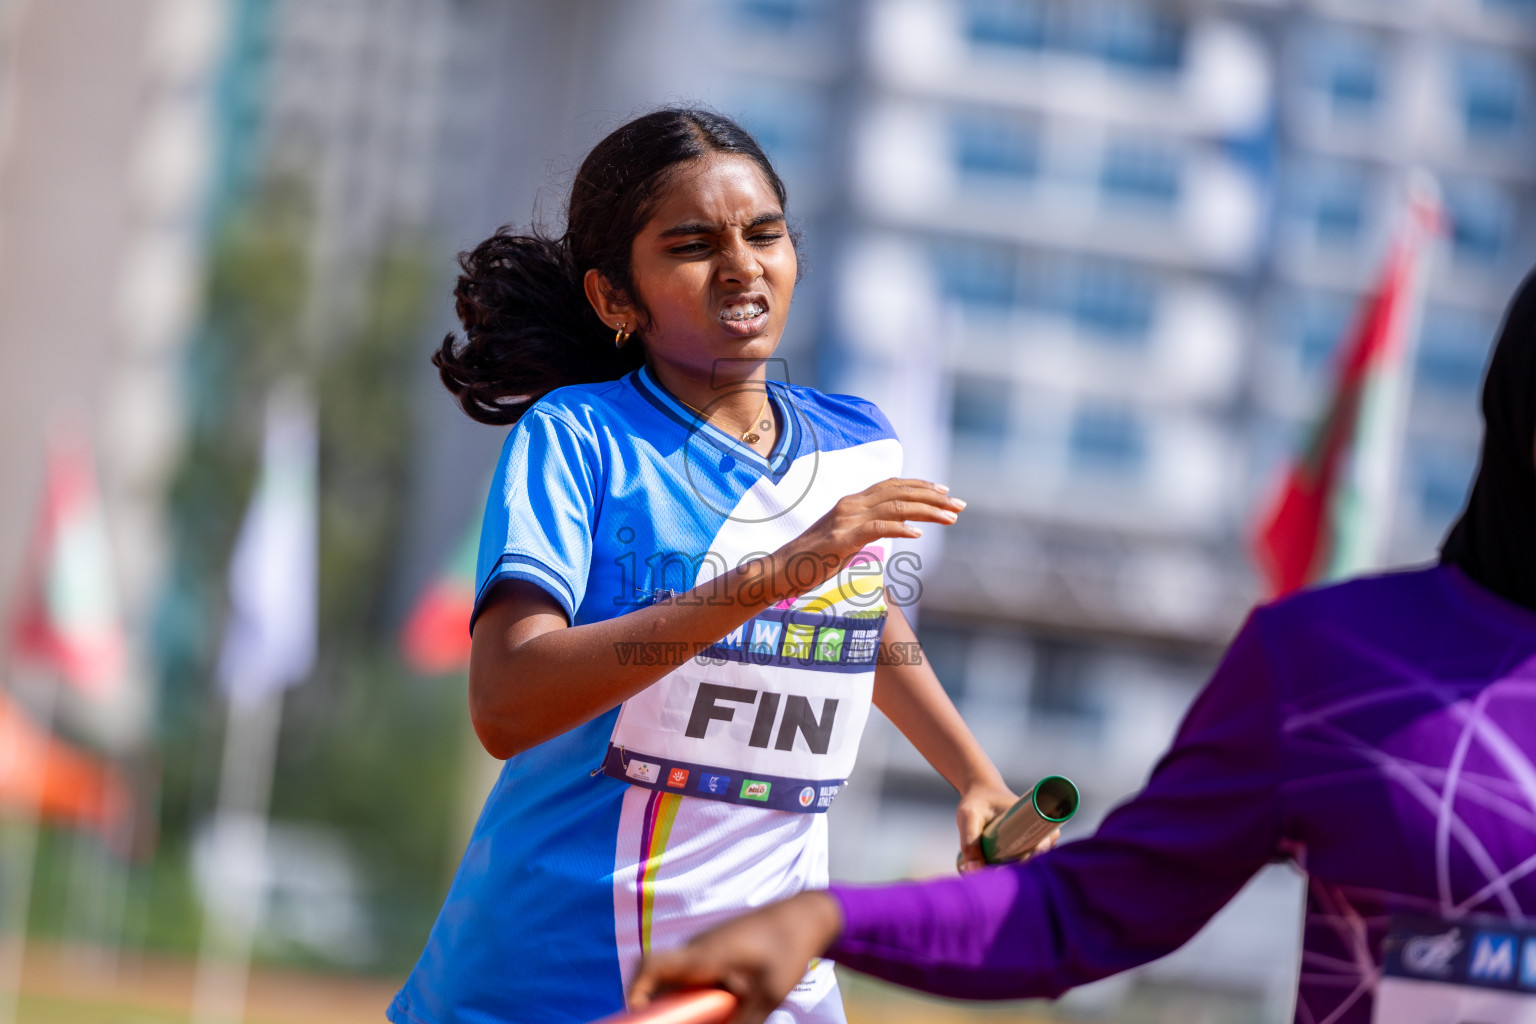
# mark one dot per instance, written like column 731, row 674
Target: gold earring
column 620, row 336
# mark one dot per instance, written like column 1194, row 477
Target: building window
column 1329, row 200
column 980, row 410
column 978, row 274
column 1319, row 334
column 1315, row 326
column 1113, row 302
column 1348, row 69
column 945, row 648
column 995, row 146
column 1480, row 216
column 1354, row 84
column 777, row 15
column 785, row 121
column 1020, row 24
column 1142, row 172
column 1338, row 217
column 1136, row 36
column 1062, row 689
column 1494, row 91
column 1131, row 36
column 1107, row 440
column 1453, row 346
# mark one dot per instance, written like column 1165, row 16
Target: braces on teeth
column 746, row 312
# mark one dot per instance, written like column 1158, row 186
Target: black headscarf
column 1494, row 541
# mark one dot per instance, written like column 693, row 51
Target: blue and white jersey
column 700, row 796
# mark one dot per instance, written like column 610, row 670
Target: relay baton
column 1017, row 831
column 701, row 1006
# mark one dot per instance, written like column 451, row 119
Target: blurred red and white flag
column 66, row 619
column 1332, row 514
column 270, row 636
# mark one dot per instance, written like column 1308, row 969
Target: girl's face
column 715, row 270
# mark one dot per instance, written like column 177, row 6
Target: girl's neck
column 738, row 406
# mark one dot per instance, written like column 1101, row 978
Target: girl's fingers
column 921, row 488
column 930, row 499
column 906, row 510
column 923, row 484
column 893, row 528
column 915, row 490
column 971, row 856
column 906, row 481
column 665, row 972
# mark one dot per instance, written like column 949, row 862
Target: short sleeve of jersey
column 541, row 512
column 861, row 421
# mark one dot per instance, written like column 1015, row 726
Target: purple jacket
column 1381, row 732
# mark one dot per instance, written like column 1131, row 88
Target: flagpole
column 237, row 864
column 13, row 955
column 67, row 625
column 92, row 904
column 269, row 645
column 110, row 873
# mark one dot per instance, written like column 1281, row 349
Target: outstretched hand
column 759, row 957
column 889, row 508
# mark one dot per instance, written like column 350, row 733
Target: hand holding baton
column 1016, row 832
column 701, row 1006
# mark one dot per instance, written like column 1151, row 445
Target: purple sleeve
column 1157, row 869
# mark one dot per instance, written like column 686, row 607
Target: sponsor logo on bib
column 827, row 793
column 714, row 783
column 677, row 778
column 643, row 771
column 1479, row 969
column 807, row 795
column 751, row 789
column 1432, row 954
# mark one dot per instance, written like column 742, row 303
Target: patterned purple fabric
column 1382, row 732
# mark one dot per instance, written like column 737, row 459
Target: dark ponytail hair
column 528, row 327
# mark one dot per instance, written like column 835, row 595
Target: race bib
column 1472, row 971
column 771, row 715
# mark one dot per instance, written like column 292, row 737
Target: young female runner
column 1381, row 732
column 681, row 600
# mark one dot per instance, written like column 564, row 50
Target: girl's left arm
column 910, row 695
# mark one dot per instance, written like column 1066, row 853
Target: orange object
column 436, row 637
column 705, row 1006
column 42, row 774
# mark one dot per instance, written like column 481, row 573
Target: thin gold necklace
column 760, row 421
